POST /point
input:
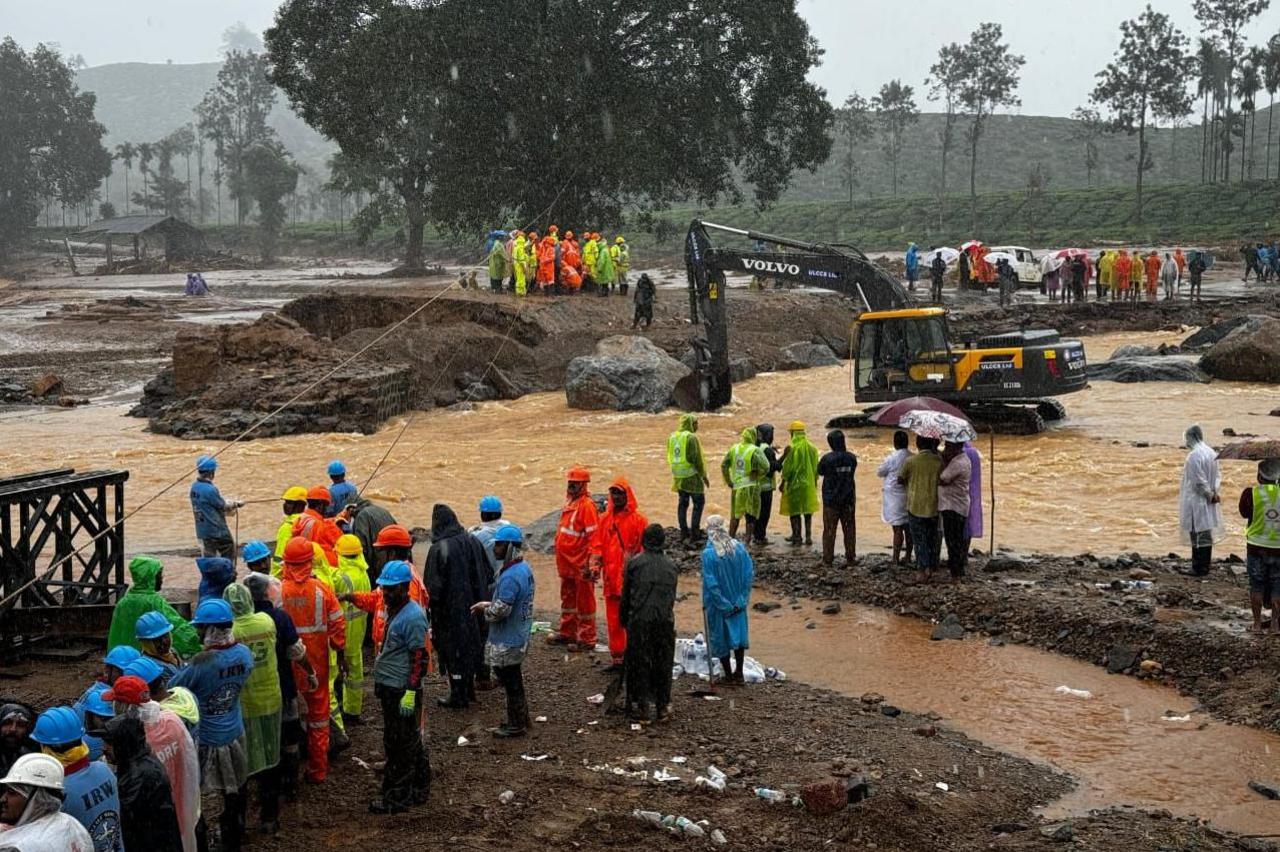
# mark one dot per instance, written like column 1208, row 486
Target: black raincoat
column 147, row 816
column 458, row 575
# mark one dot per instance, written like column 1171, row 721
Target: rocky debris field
column 462, row 347
column 576, row 781
column 1132, row 614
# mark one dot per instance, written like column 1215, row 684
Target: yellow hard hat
column 619, row 240
column 295, row 494
column 797, row 426
column 349, row 545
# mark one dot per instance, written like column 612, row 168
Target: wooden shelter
column 178, row 239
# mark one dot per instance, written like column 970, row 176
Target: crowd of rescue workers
column 265, row 679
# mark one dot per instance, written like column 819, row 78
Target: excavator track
column 1017, row 417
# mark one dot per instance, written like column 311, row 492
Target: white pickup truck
column 1027, row 264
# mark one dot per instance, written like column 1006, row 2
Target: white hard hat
column 35, row 770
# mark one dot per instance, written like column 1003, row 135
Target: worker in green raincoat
column 604, row 271
column 688, row 475
column 350, row 577
column 144, row 596
column 745, row 469
column 498, row 261
column 799, row 485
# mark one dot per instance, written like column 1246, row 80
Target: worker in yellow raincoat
column 295, row 501
column 351, row 576
column 520, row 260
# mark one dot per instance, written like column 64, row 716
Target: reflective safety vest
column 740, row 469
column 678, row 455
column 1264, row 529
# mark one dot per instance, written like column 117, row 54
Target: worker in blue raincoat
column 727, row 572
column 913, row 265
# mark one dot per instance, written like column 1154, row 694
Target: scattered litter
column 637, row 762
column 691, row 658
column 535, row 757
column 463, row 741
column 654, row 818
column 712, row 698
column 540, row 627
column 688, row 827
column 360, row 762
column 1118, row 585
column 718, row 838
column 610, row 769
column 679, row 759
column 1074, row 693
column 771, row 673
column 942, row 785
column 542, row 719
column 594, row 722
column 507, row 797
column 635, row 726
column 598, row 698
column 601, row 649
column 773, row 797
column 678, row 825
column 1168, row 717
column 664, row 775
column 713, row 780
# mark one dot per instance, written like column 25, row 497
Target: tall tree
column 645, row 104
column 125, row 152
column 1210, row 63
column 991, row 74
column 270, row 176
column 946, row 77
column 1227, row 19
column 238, row 38
column 146, row 152
column 854, row 125
column 234, row 113
column 1248, row 84
column 50, row 142
column 1087, row 130
column 183, row 141
column 895, row 110
column 1271, row 82
column 1146, row 81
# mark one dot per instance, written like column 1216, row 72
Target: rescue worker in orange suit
column 621, row 529
column 547, row 263
column 315, row 527
column 572, row 252
column 393, row 543
column 318, row 618
column 577, row 563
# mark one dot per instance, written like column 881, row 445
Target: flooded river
column 1084, row 485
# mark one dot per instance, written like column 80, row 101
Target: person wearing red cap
column 314, row 526
column 172, row 746
column 318, row 619
column 577, row 563
column 393, row 543
column 620, row 532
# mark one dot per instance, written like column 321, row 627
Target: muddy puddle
column 1117, row 744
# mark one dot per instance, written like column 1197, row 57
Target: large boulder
column 626, row 373
column 800, row 356
column 1211, row 334
column 1148, row 368
column 1250, row 353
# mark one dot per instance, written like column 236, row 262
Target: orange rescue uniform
column 315, row 527
column 620, row 537
column 577, row 557
column 318, row 617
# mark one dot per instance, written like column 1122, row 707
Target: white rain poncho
column 43, row 828
column 1199, row 517
column 893, row 507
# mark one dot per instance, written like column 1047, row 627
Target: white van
column 1027, row 264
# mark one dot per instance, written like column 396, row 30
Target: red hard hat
column 128, row 689
column 578, row 474
column 393, row 535
column 298, row 551
column 320, row 493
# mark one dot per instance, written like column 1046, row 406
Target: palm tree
column 1271, row 80
column 125, row 153
column 1247, row 85
column 1207, row 86
column 145, row 152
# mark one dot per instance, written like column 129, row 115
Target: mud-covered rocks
column 626, row 373
column 1147, row 368
column 1249, row 353
column 800, row 356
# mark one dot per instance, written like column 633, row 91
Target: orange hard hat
column 568, row 235
column 320, row 493
column 393, row 535
column 298, row 551
column 554, row 229
column 578, row 474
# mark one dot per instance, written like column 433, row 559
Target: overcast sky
column 867, row 42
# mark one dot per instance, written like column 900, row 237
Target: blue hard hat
column 56, row 726
column 213, row 611
column 151, row 625
column 337, row 468
column 511, row 534
column 122, row 655
column 206, row 464
column 145, row 668
column 95, row 704
column 394, row 573
column 490, row 504
column 255, row 551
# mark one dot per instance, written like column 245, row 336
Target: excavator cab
column 902, row 353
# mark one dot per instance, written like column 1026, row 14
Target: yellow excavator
column 1006, row 379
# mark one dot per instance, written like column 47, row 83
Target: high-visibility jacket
column 1264, row 528
column 572, row 254
column 619, row 535
column 621, row 256
column 603, row 271
column 352, row 576
column 283, row 533
column 590, row 252
column 372, row 602
column 318, row 529
column 1106, row 268
column 678, row 455
column 547, row 261
column 576, row 542
column 742, row 469
column 317, row 616
column 1121, row 271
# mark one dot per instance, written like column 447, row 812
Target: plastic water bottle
column 773, row 797
column 688, row 827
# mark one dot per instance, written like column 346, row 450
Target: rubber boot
column 517, row 720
